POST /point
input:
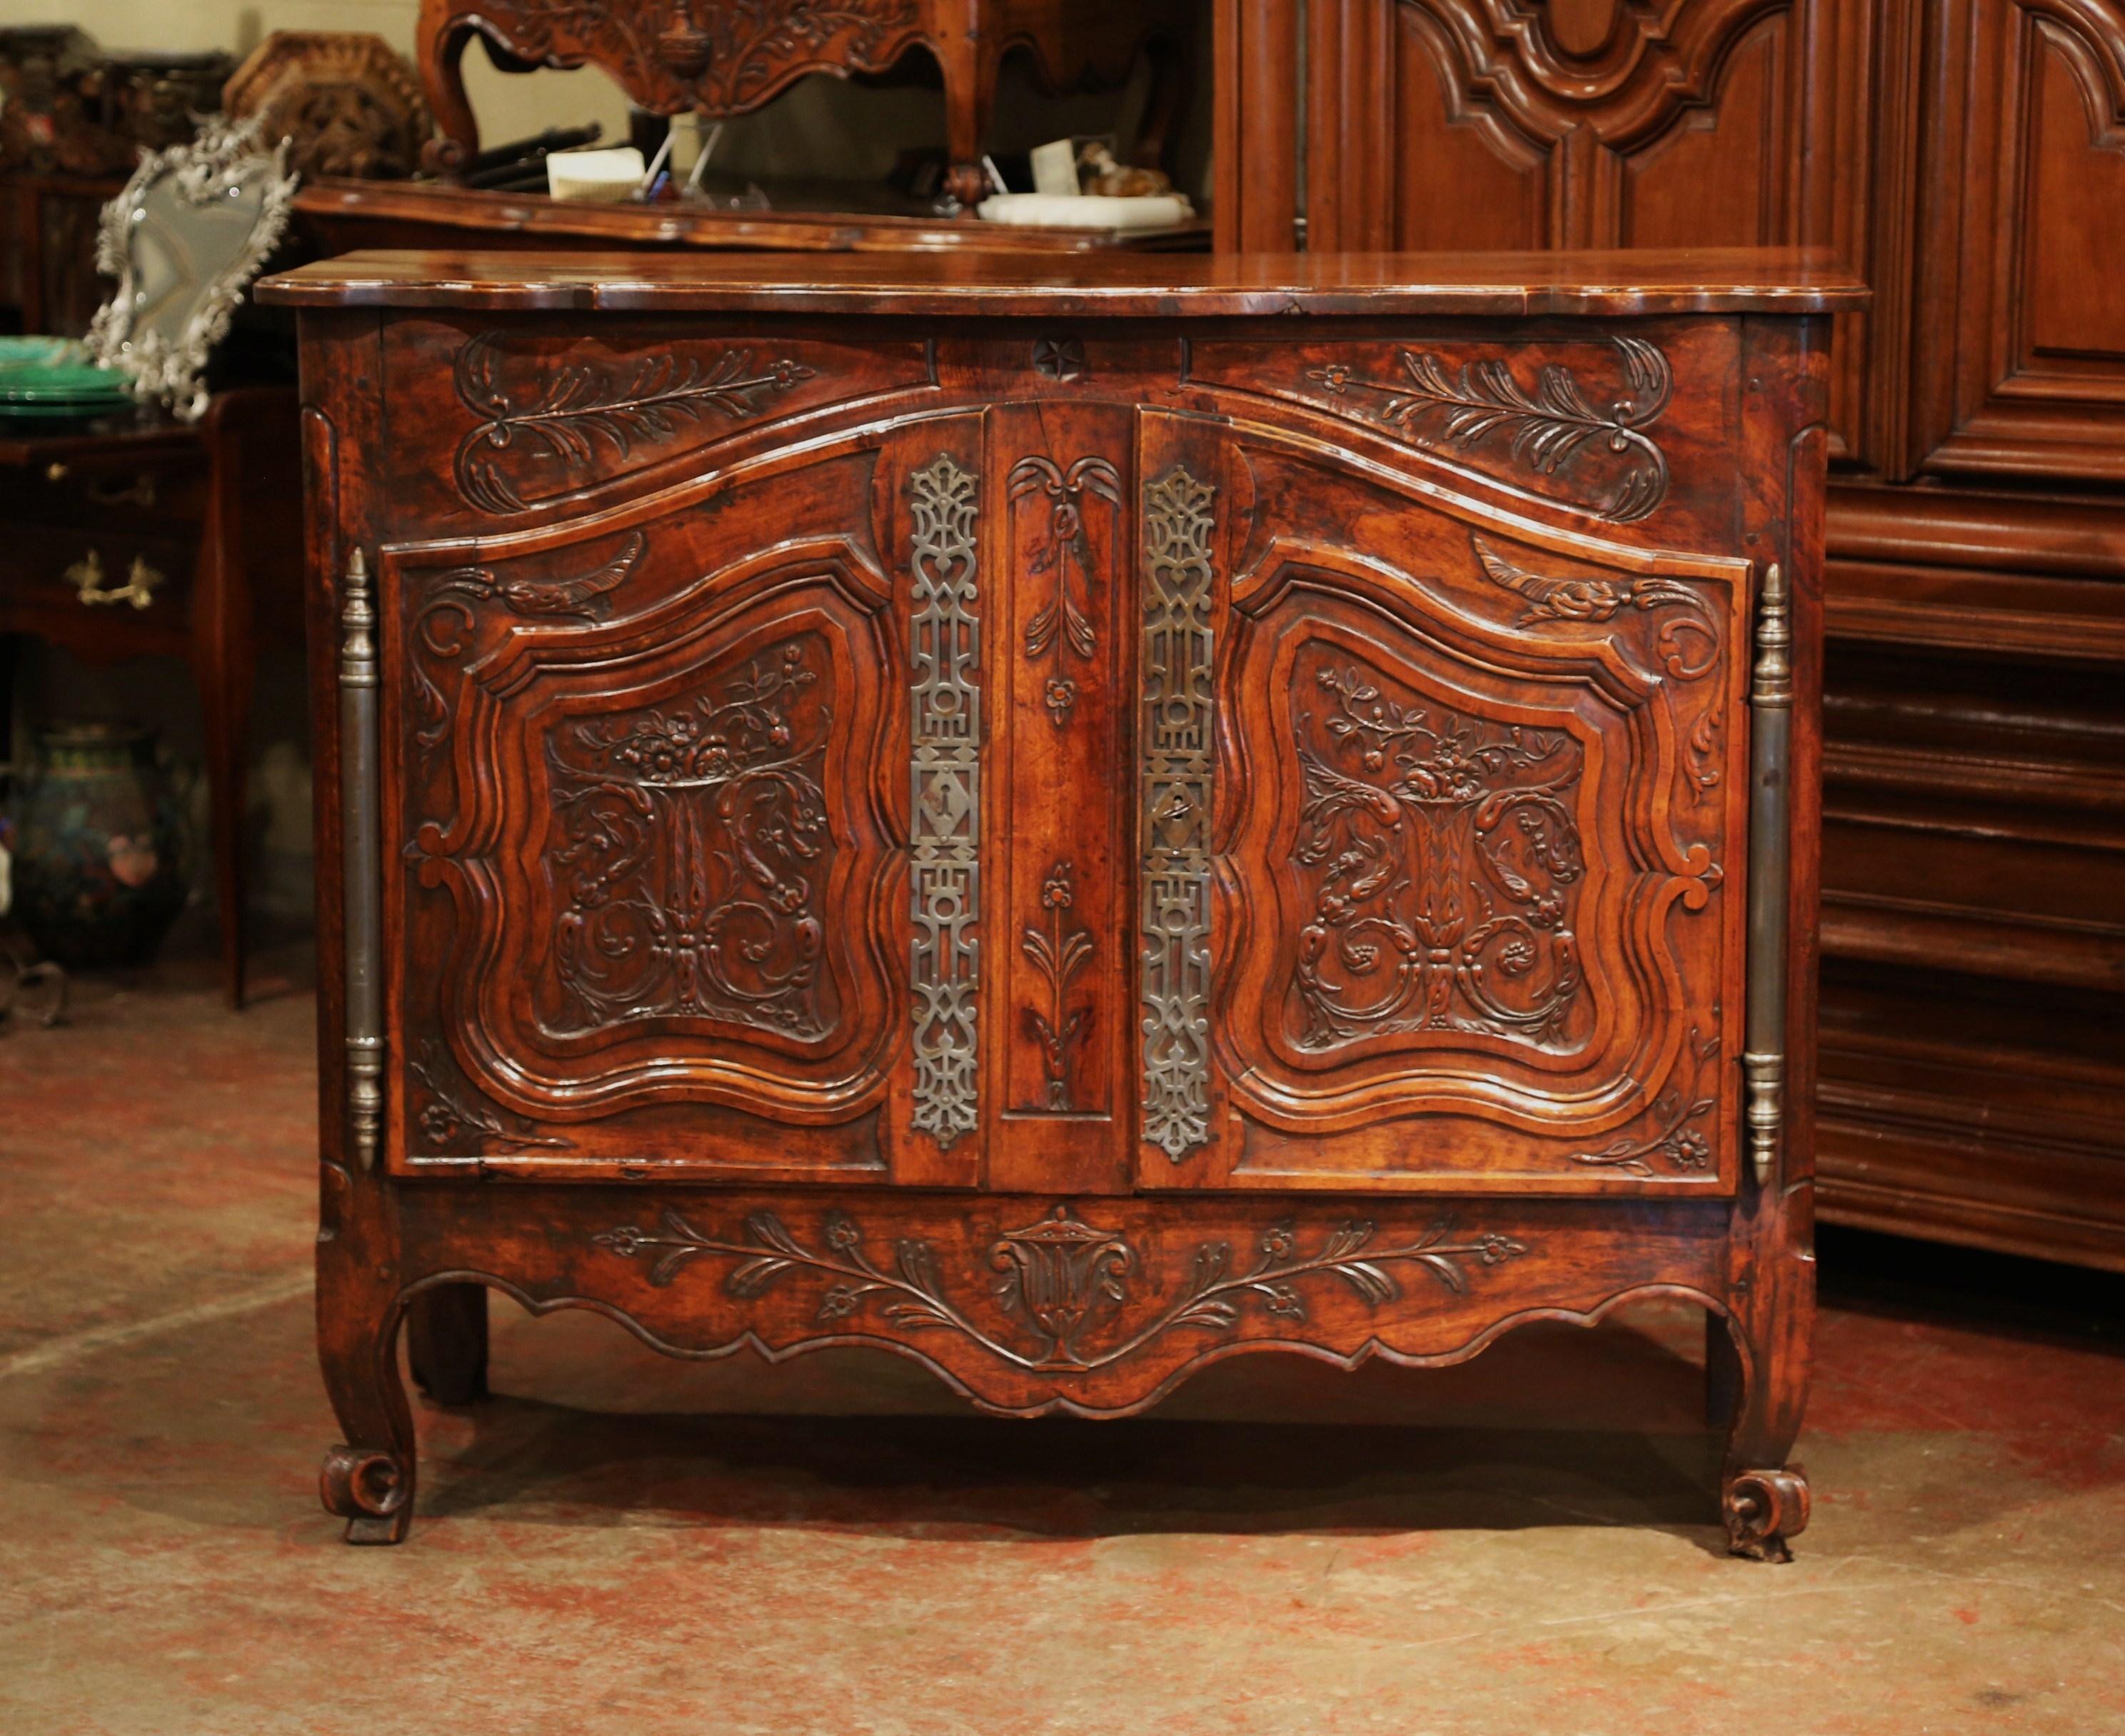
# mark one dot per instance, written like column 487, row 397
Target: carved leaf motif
column 446, row 618
column 580, row 404
column 450, row 1115
column 1061, row 1276
column 1544, row 428
column 1066, row 549
column 1588, row 599
column 1058, row 956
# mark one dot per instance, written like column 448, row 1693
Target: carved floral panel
column 1073, row 1297
column 1478, row 837
column 1443, row 855
column 691, row 859
column 649, row 835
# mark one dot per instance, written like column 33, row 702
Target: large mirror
column 193, row 228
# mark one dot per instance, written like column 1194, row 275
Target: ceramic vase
column 98, row 874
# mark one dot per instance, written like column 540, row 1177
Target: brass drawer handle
column 86, row 576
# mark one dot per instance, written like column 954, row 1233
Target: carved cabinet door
column 1441, row 843
column 686, row 793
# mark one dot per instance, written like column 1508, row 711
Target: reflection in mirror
column 191, row 228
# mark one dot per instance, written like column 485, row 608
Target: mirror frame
column 220, row 161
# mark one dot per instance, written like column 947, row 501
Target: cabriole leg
column 368, row 1480
column 1763, row 1497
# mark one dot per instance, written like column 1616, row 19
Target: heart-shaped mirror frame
column 185, row 238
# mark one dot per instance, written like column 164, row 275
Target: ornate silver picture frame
column 188, row 234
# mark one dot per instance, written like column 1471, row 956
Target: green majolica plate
column 54, row 374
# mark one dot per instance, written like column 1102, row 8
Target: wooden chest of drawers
column 1068, row 830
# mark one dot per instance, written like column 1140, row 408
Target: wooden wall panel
column 1718, row 175
column 2024, row 242
column 1457, row 172
column 1974, row 862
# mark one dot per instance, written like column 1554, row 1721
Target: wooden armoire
column 1968, row 158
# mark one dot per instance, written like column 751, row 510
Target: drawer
column 80, row 584
column 107, row 493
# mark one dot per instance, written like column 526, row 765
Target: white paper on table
column 1086, row 211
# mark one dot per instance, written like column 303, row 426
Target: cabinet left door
column 646, row 789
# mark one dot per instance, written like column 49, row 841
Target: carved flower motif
column 1688, row 1149
column 841, row 1232
column 627, row 1240
column 1278, row 1242
column 1496, row 1249
column 1284, row 1302
column 1061, row 695
column 440, row 1123
column 840, row 1300
column 1059, row 893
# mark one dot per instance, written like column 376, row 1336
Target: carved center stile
column 944, row 637
column 1178, row 652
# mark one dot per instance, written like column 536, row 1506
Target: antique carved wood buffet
column 1068, row 829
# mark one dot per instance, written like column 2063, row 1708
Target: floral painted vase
column 98, row 874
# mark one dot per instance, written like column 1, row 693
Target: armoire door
column 690, row 789
column 1442, row 839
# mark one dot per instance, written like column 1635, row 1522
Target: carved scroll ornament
column 1443, row 866
column 446, row 620
column 692, row 854
column 1686, row 644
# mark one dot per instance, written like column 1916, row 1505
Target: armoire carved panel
column 1065, row 873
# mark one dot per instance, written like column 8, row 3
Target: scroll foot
column 1762, row 1510
column 372, row 1491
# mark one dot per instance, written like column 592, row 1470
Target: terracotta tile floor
column 617, row 1543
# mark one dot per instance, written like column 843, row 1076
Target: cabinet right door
column 1443, row 830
